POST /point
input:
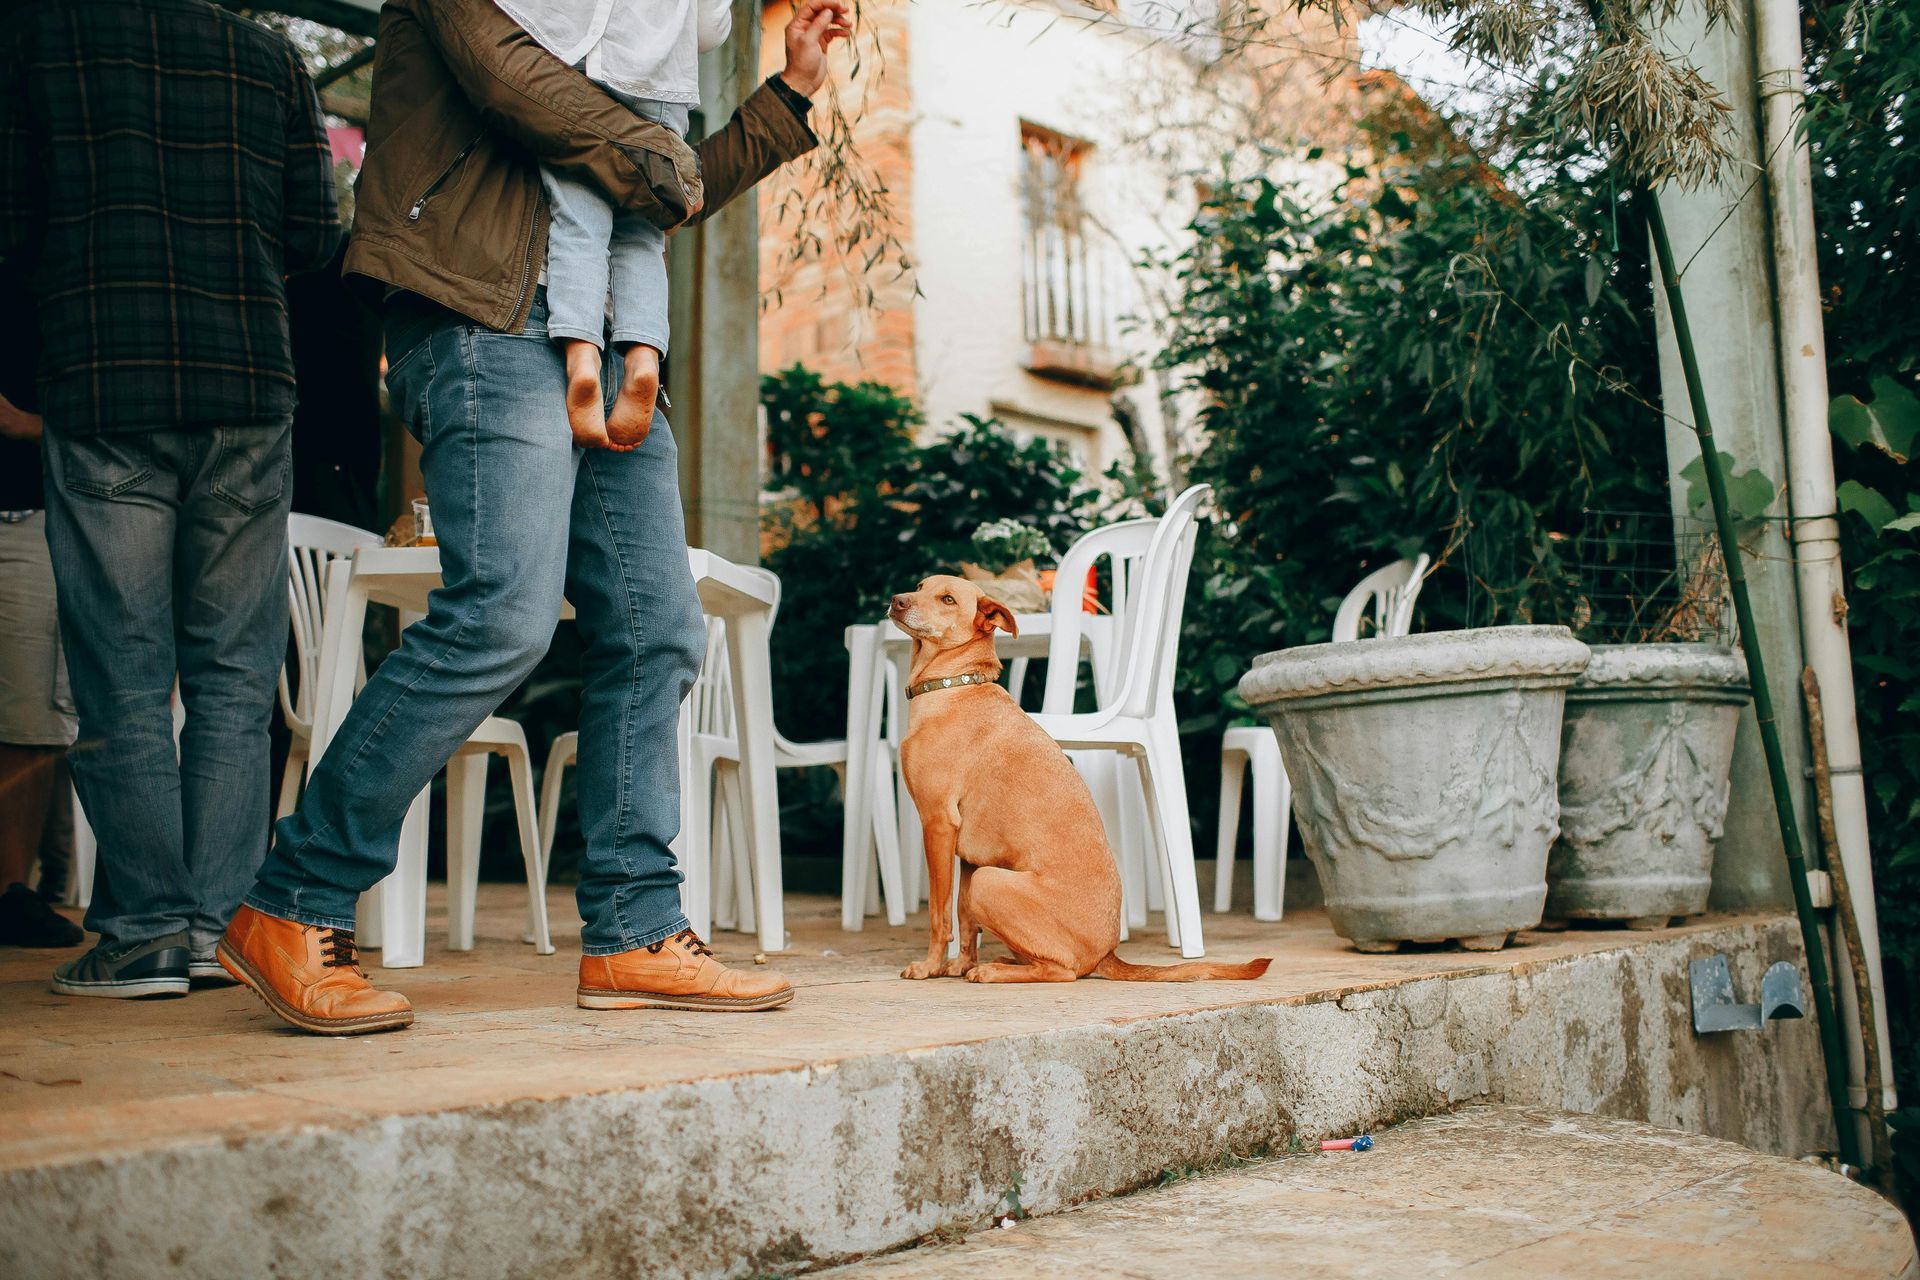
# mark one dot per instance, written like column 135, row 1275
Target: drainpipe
column 1810, row 497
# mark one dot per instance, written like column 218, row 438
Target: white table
column 402, row 577
column 876, row 653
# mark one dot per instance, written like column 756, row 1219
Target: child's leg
column 639, row 263
column 580, row 230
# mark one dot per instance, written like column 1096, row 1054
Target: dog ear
column 993, row 614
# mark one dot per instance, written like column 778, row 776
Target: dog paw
column 920, row 969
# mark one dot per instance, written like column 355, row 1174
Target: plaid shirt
column 163, row 165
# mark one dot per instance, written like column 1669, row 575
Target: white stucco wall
column 977, row 71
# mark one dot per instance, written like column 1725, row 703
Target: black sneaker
column 154, row 968
column 26, row 921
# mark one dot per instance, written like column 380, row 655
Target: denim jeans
column 521, row 517
column 170, row 559
column 594, row 250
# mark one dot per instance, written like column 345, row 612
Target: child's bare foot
column 632, row 415
column 586, row 412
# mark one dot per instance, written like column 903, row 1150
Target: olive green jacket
column 466, row 106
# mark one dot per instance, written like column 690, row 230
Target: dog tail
column 1118, row 970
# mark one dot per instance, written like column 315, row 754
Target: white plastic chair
column 313, row 544
column 1124, row 547
column 880, row 879
column 1135, row 717
column 716, row 861
column 1387, row 593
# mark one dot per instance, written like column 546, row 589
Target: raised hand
column 816, row 24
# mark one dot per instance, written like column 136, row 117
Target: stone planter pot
column 1644, row 763
column 1425, row 773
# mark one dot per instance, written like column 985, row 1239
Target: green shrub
column 1863, row 65
column 1421, row 359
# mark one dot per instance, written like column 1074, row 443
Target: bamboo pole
column 1875, row 1079
column 1817, row 974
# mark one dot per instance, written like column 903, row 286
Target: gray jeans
column 170, row 560
column 595, row 251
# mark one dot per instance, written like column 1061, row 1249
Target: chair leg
column 1233, row 767
column 864, row 718
column 296, row 768
column 552, row 780
column 86, row 849
column 527, row 817
column 734, row 797
column 870, row 904
column 393, row 914
column 1016, row 678
column 466, row 813
column 911, row 839
column 696, row 889
column 1102, row 771
column 1166, row 795
column 1164, row 882
column 887, row 849
column 1272, row 811
column 1156, row 884
column 720, row 846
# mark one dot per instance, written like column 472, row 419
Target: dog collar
column 948, row 682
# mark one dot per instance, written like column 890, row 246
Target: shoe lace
column 338, row 948
column 687, row 938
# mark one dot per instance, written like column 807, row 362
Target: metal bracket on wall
column 1714, row 1008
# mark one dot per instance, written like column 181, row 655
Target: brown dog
column 993, row 788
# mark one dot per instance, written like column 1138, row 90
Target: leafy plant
column 1750, row 491
column 1422, row 359
column 1863, row 63
column 998, row 545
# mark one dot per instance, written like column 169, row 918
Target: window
column 1065, row 289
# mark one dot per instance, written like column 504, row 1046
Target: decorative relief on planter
column 1678, row 789
column 1644, row 781
column 1424, row 771
column 1497, row 797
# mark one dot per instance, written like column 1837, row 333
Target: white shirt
column 642, row 48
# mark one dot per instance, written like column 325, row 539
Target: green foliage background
column 1863, row 67
column 1422, row 359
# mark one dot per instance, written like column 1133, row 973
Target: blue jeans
column 595, row 251
column 170, row 558
column 521, row 517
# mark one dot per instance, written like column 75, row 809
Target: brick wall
column 813, row 309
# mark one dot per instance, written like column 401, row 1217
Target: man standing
column 451, row 220
column 163, row 166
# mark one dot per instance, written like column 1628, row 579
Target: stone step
column 1485, row 1192
column 509, row 1133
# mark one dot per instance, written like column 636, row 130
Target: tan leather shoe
column 308, row 976
column 677, row 973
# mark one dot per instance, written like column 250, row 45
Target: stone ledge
column 751, row 1163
